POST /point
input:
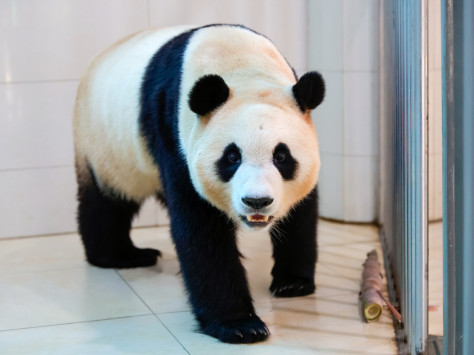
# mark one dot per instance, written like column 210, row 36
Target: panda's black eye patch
column 284, row 161
column 229, row 162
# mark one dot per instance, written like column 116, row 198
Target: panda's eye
column 284, row 161
column 233, row 157
column 229, row 162
column 279, row 156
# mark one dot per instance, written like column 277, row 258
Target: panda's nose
column 257, row 203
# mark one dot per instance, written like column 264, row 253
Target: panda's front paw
column 295, row 287
column 131, row 258
column 248, row 330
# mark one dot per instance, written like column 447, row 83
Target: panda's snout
column 257, row 203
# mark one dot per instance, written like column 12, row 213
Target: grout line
column 37, row 236
column 71, row 233
column 156, row 315
column 342, row 155
column 36, row 168
column 39, row 81
column 86, row 321
column 347, row 71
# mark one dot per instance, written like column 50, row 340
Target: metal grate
column 458, row 179
column 404, row 168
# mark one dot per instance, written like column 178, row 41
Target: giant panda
column 213, row 122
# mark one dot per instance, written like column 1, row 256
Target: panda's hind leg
column 294, row 250
column 104, row 225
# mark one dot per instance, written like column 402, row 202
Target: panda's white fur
column 106, row 125
column 260, row 113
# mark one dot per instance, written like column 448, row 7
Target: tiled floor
column 435, row 281
column 52, row 302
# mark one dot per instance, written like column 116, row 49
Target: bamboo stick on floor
column 371, row 286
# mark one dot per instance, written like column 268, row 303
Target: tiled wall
column 344, row 45
column 45, row 46
column 435, row 160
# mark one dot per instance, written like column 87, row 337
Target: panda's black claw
column 292, row 287
column 248, row 330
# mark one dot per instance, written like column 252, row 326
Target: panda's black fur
column 204, row 236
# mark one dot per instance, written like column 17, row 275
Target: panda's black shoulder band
column 207, row 94
column 309, row 91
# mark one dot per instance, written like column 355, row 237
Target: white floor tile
column 157, row 238
column 131, row 335
column 56, row 297
column 36, row 254
column 293, row 331
column 50, row 284
column 160, row 287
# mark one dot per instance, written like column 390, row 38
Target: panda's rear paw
column 135, row 257
column 292, row 287
column 249, row 330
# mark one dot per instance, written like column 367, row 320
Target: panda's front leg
column 294, row 250
column 213, row 274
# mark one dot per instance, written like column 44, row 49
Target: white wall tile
column 434, row 34
column 360, row 23
column 55, row 39
column 343, row 41
column 284, row 22
column 37, row 201
column 279, row 20
column 148, row 215
column 437, row 111
column 43, row 201
column 328, row 117
column 431, row 111
column 331, row 187
column 168, row 13
column 360, row 188
column 438, row 187
column 361, row 116
column 162, row 216
column 431, row 187
column 36, row 124
column 325, row 35
column 152, row 213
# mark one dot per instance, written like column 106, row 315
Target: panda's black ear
column 309, row 91
column 207, row 94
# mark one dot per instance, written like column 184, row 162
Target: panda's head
column 254, row 152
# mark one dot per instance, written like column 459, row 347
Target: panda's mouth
column 257, row 220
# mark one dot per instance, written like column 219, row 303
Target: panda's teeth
column 257, row 218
